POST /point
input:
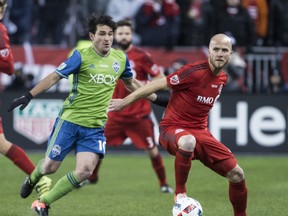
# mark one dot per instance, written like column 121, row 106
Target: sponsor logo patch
column 174, row 80
column 61, row 66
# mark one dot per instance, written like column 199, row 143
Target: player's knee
column 84, row 173
column 5, row 145
column 236, row 174
column 49, row 166
column 153, row 152
column 187, row 143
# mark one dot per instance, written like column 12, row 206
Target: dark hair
column 124, row 23
column 95, row 20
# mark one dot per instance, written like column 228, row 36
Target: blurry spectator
column 275, row 81
column 278, row 23
column 235, row 70
column 157, row 22
column 11, row 27
column 233, row 19
column 276, row 27
column 51, row 20
column 175, row 65
column 197, row 22
column 258, row 10
column 20, row 80
column 124, row 9
column 94, row 6
column 20, row 15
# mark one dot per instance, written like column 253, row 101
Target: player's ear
column 91, row 36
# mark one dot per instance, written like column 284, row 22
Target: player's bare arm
column 45, row 84
column 42, row 86
column 144, row 91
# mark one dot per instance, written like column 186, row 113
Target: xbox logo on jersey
column 103, row 79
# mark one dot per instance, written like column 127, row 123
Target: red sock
column 94, row 177
column 159, row 169
column 20, row 159
column 238, row 197
column 182, row 165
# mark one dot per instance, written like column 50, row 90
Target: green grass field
column 128, row 187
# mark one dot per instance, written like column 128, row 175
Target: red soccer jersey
column 142, row 67
column 6, row 57
column 194, row 91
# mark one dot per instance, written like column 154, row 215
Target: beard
column 123, row 45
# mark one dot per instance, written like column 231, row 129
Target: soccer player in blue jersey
column 80, row 124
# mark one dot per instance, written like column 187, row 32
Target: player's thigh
column 114, row 133
column 91, row 140
column 213, row 153
column 86, row 161
column 61, row 140
column 142, row 134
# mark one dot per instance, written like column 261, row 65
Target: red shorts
column 1, row 127
column 208, row 150
column 140, row 132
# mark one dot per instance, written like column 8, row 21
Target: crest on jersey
column 56, row 150
column 174, row 80
column 4, row 52
column 116, row 67
column 61, row 66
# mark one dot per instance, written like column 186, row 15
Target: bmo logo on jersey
column 205, row 100
column 103, row 79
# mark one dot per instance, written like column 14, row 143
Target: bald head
column 220, row 50
column 221, row 39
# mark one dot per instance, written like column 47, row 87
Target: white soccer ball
column 187, row 206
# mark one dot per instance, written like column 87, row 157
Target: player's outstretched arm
column 142, row 92
column 42, row 86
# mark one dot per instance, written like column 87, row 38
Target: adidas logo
column 91, row 66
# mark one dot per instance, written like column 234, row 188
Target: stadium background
column 246, row 123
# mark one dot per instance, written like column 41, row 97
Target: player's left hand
column 23, row 100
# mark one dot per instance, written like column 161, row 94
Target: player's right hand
column 115, row 105
column 23, row 100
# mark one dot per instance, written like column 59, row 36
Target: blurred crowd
column 165, row 23
column 158, row 22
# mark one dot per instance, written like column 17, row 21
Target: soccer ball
column 187, row 206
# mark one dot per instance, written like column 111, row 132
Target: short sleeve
column 180, row 79
column 70, row 66
column 127, row 74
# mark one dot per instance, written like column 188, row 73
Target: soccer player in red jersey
column 12, row 151
column 134, row 121
column 184, row 130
